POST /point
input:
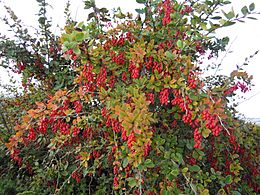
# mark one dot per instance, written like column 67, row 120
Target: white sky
column 245, row 37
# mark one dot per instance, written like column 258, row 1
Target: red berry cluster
column 127, row 170
column 124, row 136
column 232, row 140
column 167, row 8
column 31, row 134
column 77, row 106
column 77, row 176
column 96, row 154
column 124, row 76
column 15, row 156
column 101, row 77
column 187, row 117
column 187, row 9
column 87, row 132
column 76, row 131
column 134, row 71
column 212, row 122
column 112, row 81
column 191, row 161
column 72, row 54
column 243, row 87
column 150, row 97
column 164, row 96
column 192, row 81
column 29, row 168
column 231, row 90
column 118, row 41
column 20, row 66
column 147, row 149
column 116, row 126
column 161, row 46
column 130, row 140
column 116, row 182
column 149, row 63
column 43, row 126
column 88, row 72
column 104, row 112
column 157, row 66
column 62, row 126
column 197, row 138
column 115, row 170
column 200, row 48
column 118, row 59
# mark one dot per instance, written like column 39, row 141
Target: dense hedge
column 118, row 105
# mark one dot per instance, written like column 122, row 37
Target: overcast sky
column 245, row 37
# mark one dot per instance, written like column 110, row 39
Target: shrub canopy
column 118, row 104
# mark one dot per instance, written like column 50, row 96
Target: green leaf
column 166, row 192
column 140, row 11
column 235, row 193
column 76, row 50
column 79, row 36
column 230, row 15
column 229, row 23
column 205, row 133
column 42, row 20
column 216, row 18
column 244, row 10
column 228, row 179
column 85, row 172
column 132, row 182
column 104, row 10
column 141, row 1
column 88, row 5
column 180, row 44
column 66, row 37
column 203, row 26
column 178, row 158
column 91, row 15
column 252, row 6
column 80, row 24
column 149, row 163
column 195, row 168
column 176, row 116
column 227, row 2
column 125, row 162
column 175, row 172
column 169, row 55
column 185, row 170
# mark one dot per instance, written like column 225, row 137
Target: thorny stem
column 140, row 180
column 192, row 187
column 220, row 120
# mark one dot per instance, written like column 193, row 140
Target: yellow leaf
column 32, row 113
column 205, row 192
column 40, row 105
column 26, row 119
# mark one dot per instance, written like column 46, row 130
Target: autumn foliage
column 134, row 115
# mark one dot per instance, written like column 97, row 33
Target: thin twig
column 220, row 120
column 227, row 51
column 192, row 187
column 249, row 98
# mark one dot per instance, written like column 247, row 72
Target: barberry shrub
column 137, row 117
